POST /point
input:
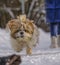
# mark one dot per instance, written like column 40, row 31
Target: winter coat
column 52, row 10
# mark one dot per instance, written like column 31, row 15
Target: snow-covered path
column 42, row 54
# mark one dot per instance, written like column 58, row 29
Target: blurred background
column 34, row 9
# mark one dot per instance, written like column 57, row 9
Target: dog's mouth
column 19, row 37
column 22, row 35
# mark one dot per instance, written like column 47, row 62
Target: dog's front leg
column 28, row 51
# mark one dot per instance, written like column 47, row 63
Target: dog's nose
column 21, row 33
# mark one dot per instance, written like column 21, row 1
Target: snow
column 42, row 54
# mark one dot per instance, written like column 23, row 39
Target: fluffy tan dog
column 23, row 34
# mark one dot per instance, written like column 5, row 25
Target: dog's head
column 22, row 29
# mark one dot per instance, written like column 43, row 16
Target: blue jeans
column 55, row 29
column 58, row 28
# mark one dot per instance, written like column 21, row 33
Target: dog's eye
column 17, row 31
column 26, row 30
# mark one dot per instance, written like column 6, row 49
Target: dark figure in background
column 53, row 17
column 10, row 60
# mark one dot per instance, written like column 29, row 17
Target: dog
column 23, row 34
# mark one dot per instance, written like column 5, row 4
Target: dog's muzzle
column 21, row 34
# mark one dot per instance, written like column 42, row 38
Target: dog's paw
column 29, row 51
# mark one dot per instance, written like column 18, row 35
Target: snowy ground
column 42, row 54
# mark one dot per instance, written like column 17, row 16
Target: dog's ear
column 31, row 25
column 10, row 23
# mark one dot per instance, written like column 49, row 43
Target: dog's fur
column 24, row 33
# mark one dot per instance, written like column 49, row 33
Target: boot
column 54, row 42
column 58, row 40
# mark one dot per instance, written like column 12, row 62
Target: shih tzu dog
column 23, row 34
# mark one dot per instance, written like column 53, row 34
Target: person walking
column 53, row 17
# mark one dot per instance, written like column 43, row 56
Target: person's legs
column 58, row 35
column 53, row 31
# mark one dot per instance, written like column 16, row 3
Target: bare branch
column 17, row 9
column 22, row 5
column 9, row 11
column 31, row 7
